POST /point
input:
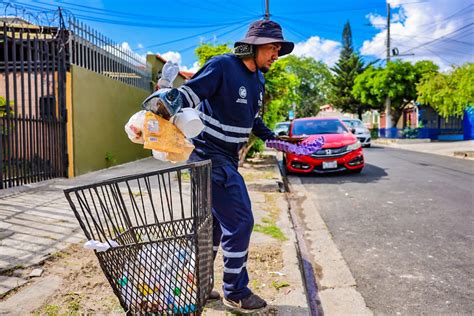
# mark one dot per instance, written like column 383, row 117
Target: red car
column 341, row 151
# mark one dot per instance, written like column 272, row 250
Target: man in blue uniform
column 228, row 91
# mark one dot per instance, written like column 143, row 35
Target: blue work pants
column 233, row 224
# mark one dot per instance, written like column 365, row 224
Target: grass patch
column 58, row 255
column 185, row 175
column 50, row 310
column 278, row 285
column 73, row 302
column 271, row 230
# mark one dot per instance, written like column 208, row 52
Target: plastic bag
column 134, row 127
column 162, row 136
column 175, row 157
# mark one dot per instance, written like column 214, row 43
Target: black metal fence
column 158, row 229
column 33, row 68
column 94, row 51
column 34, row 63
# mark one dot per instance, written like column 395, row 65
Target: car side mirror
column 353, row 130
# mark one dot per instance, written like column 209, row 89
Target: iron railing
column 92, row 50
column 32, row 104
column 34, row 61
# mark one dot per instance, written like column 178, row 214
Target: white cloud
column 173, row 56
column 118, row 50
column 176, row 58
column 195, row 67
column 415, row 25
column 377, row 21
column 320, row 49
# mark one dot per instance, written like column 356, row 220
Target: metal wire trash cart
column 159, row 228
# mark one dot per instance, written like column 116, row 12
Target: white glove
column 168, row 74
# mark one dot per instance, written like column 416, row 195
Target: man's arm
column 202, row 85
column 261, row 130
column 264, row 133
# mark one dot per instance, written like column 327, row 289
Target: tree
column 449, row 94
column 347, row 68
column 314, row 86
column 397, row 81
column 280, row 93
column 204, row 52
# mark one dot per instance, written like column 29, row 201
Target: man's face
column 266, row 55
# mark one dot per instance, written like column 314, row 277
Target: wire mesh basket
column 159, row 229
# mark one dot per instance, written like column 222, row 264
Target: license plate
column 329, row 164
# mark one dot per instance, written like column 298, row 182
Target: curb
column 306, row 268
column 338, row 293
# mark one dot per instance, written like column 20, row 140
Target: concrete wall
column 101, row 106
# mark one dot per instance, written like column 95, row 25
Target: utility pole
column 388, row 103
column 388, row 32
column 267, row 10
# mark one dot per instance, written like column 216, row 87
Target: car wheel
column 367, row 146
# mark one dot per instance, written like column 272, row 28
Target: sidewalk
column 39, row 232
column 459, row 149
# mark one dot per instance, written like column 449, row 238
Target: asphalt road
column 405, row 226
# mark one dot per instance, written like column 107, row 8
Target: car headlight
column 353, row 146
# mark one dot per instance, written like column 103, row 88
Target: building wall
column 156, row 67
column 30, row 89
column 101, row 107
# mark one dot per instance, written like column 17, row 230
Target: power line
column 450, row 62
column 195, row 35
column 208, row 8
column 168, row 22
column 449, row 17
column 430, row 38
column 332, row 10
column 219, row 35
column 439, row 38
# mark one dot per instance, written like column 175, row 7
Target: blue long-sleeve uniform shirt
column 228, row 96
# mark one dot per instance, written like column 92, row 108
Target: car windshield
column 310, row 127
column 282, row 125
column 353, row 123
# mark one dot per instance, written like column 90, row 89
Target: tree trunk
column 244, row 151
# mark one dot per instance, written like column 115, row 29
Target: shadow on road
column 370, row 173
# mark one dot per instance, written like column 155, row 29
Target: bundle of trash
column 161, row 279
column 164, row 126
column 303, row 148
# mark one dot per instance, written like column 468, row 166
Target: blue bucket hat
column 265, row 32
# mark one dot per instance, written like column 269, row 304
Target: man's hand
column 168, row 75
column 293, row 140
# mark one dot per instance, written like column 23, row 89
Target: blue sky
column 440, row 30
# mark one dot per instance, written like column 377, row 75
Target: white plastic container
column 188, row 122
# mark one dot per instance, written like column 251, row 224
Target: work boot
column 214, row 296
column 251, row 304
